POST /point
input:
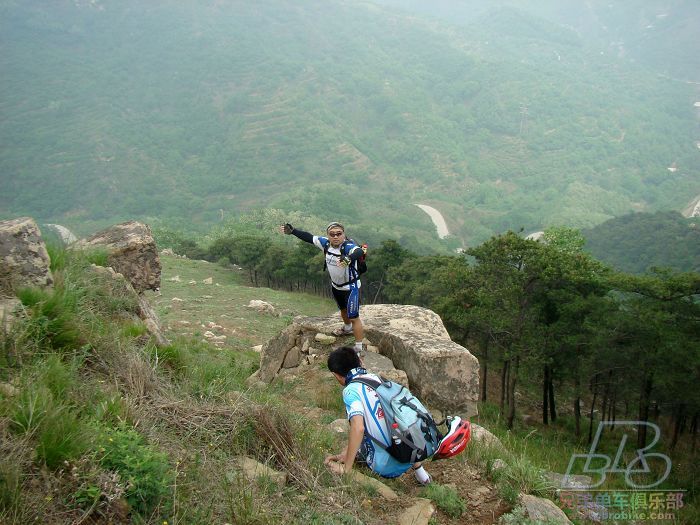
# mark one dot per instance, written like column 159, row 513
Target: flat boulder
column 24, row 260
column 442, row 373
column 131, row 251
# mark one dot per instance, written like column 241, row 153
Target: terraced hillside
column 187, row 113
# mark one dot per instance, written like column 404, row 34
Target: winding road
column 437, row 218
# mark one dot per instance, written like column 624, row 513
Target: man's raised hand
column 287, row 229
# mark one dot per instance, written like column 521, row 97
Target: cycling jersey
column 362, row 400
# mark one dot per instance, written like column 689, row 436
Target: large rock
column 145, row 311
column 541, row 509
column 480, row 435
column 442, row 373
column 382, row 366
column 24, row 260
column 571, row 481
column 132, row 252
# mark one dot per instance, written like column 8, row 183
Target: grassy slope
column 182, row 413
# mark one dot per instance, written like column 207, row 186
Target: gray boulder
column 24, row 260
column 145, row 311
column 571, row 481
column 442, row 373
column 382, row 366
column 9, row 311
column 542, row 509
column 132, row 252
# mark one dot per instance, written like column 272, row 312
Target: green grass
column 446, row 499
column 177, row 415
column 225, row 303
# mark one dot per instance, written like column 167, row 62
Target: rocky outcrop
column 480, row 435
column 8, row 313
column 131, row 252
column 441, row 372
column 542, row 509
column 145, row 310
column 24, row 260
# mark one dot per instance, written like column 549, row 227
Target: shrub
column 144, row 469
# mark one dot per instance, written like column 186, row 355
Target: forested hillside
column 190, row 112
column 634, row 243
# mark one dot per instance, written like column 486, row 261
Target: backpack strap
column 373, row 384
column 354, row 275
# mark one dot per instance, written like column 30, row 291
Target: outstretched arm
column 288, row 229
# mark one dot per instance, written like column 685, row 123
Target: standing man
column 341, row 262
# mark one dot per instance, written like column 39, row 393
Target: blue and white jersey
column 339, row 274
column 362, row 400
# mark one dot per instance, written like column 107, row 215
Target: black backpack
column 361, row 262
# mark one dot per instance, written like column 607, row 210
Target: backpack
column 414, row 433
column 361, row 262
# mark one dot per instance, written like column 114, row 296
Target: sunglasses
column 337, row 234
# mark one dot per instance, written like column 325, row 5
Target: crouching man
column 367, row 423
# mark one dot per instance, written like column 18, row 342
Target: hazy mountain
column 661, row 34
column 121, row 109
column 639, row 241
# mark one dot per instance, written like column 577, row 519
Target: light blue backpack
column 414, row 433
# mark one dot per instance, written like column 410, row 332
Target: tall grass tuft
column 62, row 438
column 58, row 256
column 447, row 499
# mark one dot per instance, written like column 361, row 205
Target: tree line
column 532, row 311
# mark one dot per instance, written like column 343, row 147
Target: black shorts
column 341, row 297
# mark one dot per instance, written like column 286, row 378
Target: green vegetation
column 640, row 241
column 446, row 498
column 335, row 110
column 546, row 319
column 118, row 429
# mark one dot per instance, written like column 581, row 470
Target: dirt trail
column 483, row 504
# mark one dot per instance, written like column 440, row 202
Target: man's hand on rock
column 336, row 467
